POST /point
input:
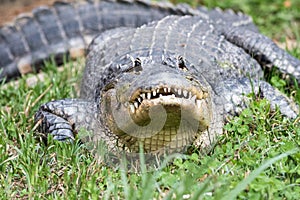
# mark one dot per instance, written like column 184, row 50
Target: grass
column 257, row 157
column 278, row 19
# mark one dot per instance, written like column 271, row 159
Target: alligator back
column 198, row 41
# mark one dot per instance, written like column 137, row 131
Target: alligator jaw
column 164, row 118
column 173, row 106
column 164, row 95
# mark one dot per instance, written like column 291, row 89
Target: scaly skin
column 169, row 84
column 68, row 28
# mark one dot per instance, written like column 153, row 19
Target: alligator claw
column 64, row 118
column 54, row 125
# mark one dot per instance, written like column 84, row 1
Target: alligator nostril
column 189, row 78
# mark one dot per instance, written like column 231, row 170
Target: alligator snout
column 161, row 109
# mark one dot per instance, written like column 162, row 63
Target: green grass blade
column 243, row 184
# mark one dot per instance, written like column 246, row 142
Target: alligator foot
column 235, row 92
column 64, row 118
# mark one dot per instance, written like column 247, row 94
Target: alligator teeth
column 179, row 91
column 193, row 98
column 154, row 93
column 201, row 95
column 132, row 109
column 136, row 105
column 167, row 91
column 185, row 93
column 199, row 103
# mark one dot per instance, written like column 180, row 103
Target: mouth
column 167, row 96
column 165, row 118
column 160, row 119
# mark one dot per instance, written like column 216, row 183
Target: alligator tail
column 266, row 52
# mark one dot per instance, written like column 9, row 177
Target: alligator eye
column 181, row 63
column 135, row 66
column 137, row 62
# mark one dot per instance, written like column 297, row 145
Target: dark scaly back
column 67, row 28
column 229, row 18
column 196, row 38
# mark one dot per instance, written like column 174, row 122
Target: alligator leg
column 264, row 50
column 64, row 118
column 235, row 92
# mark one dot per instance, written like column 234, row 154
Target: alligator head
column 160, row 104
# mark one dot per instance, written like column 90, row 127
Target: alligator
column 158, row 78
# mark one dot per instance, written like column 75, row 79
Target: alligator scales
column 157, row 76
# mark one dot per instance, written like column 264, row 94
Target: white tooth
column 139, row 99
column 185, row 93
column 136, row 105
column 143, row 96
column 154, row 93
column 131, row 108
column 173, row 95
column 199, row 103
column 193, row 98
column 169, row 90
column 148, row 95
column 157, row 90
column 160, row 95
column 175, row 89
column 179, row 91
column 165, row 90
